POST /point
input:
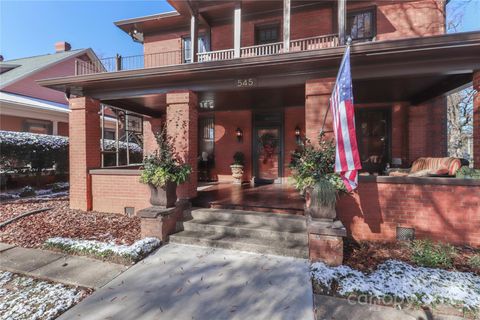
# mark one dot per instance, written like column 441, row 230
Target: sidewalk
column 188, row 282
column 58, row 267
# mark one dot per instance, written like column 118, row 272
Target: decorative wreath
column 269, row 143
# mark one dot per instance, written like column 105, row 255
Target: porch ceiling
column 401, row 70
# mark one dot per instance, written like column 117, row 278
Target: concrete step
column 258, row 245
column 260, row 230
column 276, row 220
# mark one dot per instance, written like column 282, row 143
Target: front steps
column 258, row 232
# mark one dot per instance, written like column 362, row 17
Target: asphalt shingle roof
column 29, row 65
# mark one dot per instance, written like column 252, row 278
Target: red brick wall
column 113, row 192
column 63, row 129
column 317, row 95
column 427, row 125
column 11, row 123
column 293, row 117
column 395, row 20
column 226, row 143
column 447, row 213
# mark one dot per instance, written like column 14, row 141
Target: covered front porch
column 215, row 109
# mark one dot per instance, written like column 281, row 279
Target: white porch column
column 193, row 38
column 237, row 31
column 286, row 25
column 342, row 17
column 55, row 128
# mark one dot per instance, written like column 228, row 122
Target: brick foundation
column 115, row 189
column 442, row 209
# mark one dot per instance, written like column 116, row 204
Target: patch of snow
column 26, row 298
column 135, row 251
column 399, row 279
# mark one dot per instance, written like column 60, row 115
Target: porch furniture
column 423, row 167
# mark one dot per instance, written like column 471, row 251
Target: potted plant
column 237, row 167
column 162, row 171
column 314, row 176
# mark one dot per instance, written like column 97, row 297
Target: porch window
column 374, row 136
column 267, row 34
column 122, row 137
column 38, row 126
column 361, row 24
column 203, row 46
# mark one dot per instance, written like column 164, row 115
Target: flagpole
column 349, row 42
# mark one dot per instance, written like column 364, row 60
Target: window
column 206, row 144
column 187, row 47
column 373, row 136
column 361, row 24
column 267, row 34
column 122, row 137
column 38, row 126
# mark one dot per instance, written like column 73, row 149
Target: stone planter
column 165, row 196
column 315, row 210
column 237, row 173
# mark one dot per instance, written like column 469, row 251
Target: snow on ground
column 418, row 285
column 134, row 252
column 27, row 298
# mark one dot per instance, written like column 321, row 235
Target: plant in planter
column 237, row 167
column 314, row 176
column 163, row 171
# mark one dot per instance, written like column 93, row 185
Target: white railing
column 215, row 55
column 262, row 50
column 314, row 43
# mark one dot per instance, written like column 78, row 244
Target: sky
column 29, row 28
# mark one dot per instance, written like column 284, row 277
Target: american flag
column 347, row 159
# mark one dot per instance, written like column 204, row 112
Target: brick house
column 29, row 107
column 225, row 76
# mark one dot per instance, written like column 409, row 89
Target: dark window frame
column 373, row 12
column 267, row 26
column 45, row 124
column 186, row 59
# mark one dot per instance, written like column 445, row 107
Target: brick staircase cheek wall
column 447, row 213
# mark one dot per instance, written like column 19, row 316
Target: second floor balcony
column 177, row 57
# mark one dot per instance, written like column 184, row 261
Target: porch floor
column 276, row 198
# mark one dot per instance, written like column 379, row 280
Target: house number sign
column 246, row 83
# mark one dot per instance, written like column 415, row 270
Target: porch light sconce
column 239, row 134
column 298, row 132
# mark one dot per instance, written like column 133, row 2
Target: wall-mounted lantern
column 239, row 134
column 298, row 133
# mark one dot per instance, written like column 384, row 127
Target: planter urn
column 237, row 173
column 165, row 196
column 315, row 209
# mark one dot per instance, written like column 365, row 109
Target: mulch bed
column 32, row 231
column 366, row 256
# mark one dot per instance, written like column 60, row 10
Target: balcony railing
column 170, row 58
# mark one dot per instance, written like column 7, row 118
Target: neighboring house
column 256, row 76
column 28, row 107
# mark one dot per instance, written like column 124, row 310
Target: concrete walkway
column 58, row 267
column 189, row 282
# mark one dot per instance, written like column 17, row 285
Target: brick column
column 84, row 149
column 317, row 95
column 151, row 126
column 182, row 124
column 476, row 120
